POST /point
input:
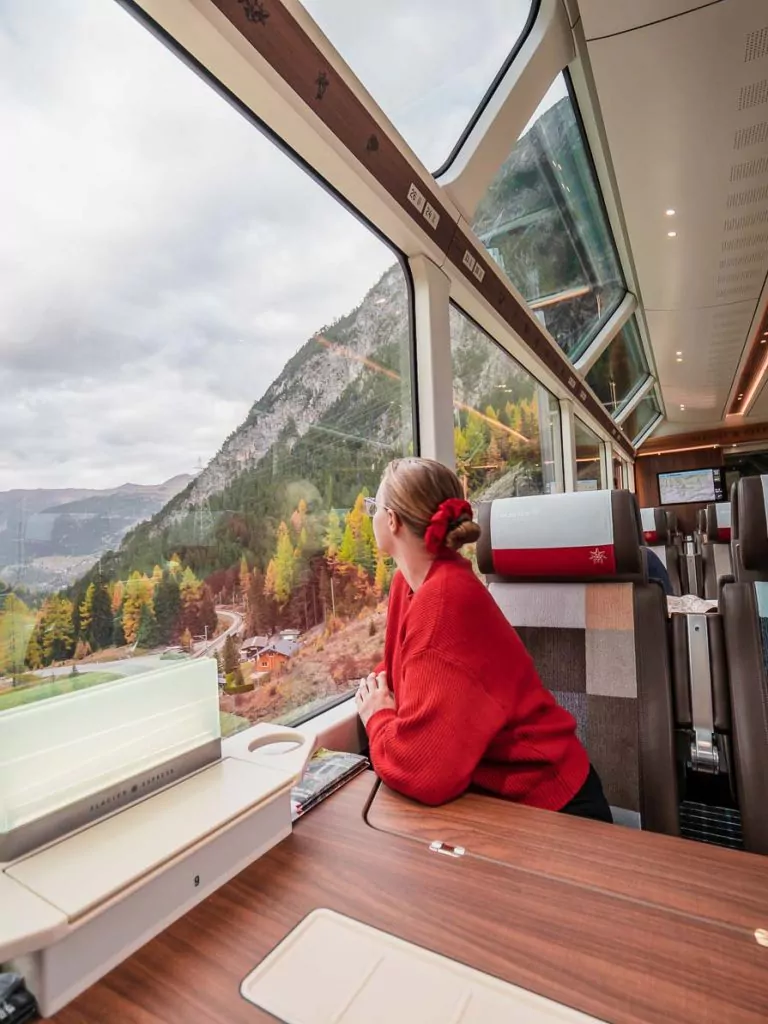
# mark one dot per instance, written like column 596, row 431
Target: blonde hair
column 415, row 488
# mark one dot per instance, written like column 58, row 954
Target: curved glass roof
column 427, row 65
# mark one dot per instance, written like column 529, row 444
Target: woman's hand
column 373, row 695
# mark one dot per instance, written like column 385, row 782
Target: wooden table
column 582, row 937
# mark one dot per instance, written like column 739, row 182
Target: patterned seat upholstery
column 716, row 549
column 744, row 606
column 655, row 525
column 568, row 574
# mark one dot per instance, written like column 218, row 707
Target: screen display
column 703, row 485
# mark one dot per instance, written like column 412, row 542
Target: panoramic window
column 506, row 425
column 620, row 370
column 589, row 463
column 427, row 66
column 645, row 413
column 201, row 382
column 543, row 222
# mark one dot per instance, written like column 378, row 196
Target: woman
column 457, row 701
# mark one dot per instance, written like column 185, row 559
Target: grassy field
column 42, row 691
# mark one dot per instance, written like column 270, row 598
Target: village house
column 276, row 655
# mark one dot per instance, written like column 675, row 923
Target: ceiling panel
column 685, row 107
column 606, row 17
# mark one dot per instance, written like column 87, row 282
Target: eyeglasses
column 371, row 506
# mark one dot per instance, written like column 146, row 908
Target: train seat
column 716, row 547
column 744, row 606
column 655, row 526
column 568, row 573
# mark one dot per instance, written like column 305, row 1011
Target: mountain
column 341, row 407
column 50, row 537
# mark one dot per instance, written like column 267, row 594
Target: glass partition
column 645, row 413
column 506, row 424
column 589, row 462
column 543, row 222
column 620, row 370
column 428, row 66
column 202, row 380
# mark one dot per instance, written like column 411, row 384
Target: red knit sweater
column 471, row 708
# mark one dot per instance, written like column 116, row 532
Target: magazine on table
column 326, row 772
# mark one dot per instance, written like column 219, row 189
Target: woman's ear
column 393, row 521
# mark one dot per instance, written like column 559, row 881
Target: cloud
column 160, row 259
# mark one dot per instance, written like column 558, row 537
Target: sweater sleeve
column 429, row 748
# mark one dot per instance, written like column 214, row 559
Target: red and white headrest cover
column 655, row 525
column 582, row 536
column 753, row 523
column 719, row 522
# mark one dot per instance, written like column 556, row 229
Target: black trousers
column 590, row 801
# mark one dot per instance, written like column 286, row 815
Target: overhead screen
column 691, row 485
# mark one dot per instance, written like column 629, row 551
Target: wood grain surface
column 619, row 959
column 727, row 887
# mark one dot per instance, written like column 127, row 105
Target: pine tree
column 146, row 633
column 86, row 612
column 118, row 633
column 333, row 535
column 101, row 618
column 59, row 641
column 256, row 622
column 167, row 603
column 34, row 656
column 244, row 580
column 186, row 640
column 285, row 565
column 358, row 545
column 231, row 655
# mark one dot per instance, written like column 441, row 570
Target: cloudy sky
column 160, row 260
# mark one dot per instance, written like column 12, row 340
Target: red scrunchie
column 447, row 516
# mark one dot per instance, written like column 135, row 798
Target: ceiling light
column 670, row 213
column 682, row 408
column 763, row 341
column 671, row 234
column 679, row 359
column 678, row 353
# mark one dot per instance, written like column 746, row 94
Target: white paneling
column 605, row 17
column 685, row 108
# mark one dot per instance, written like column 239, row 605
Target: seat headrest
column 753, row 522
column 718, row 526
column 655, row 525
column 579, row 537
column 701, row 520
column 671, row 521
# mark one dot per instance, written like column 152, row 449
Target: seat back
column 744, row 606
column 568, row 573
column 655, row 526
column 716, row 548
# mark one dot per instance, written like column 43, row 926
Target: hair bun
column 466, row 532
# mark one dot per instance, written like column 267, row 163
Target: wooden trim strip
column 281, row 41
column 744, row 433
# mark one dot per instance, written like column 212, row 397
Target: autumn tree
column 86, row 611
column 231, row 656
column 333, row 535
column 138, row 592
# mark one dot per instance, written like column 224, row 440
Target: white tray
column 334, row 970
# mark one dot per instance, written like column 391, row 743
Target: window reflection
column 201, row 383
column 589, row 470
column 621, row 369
column 645, row 413
column 543, row 222
column 506, row 425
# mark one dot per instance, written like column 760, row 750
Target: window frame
column 601, row 450
column 559, row 460
column 498, row 78
column 639, row 384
